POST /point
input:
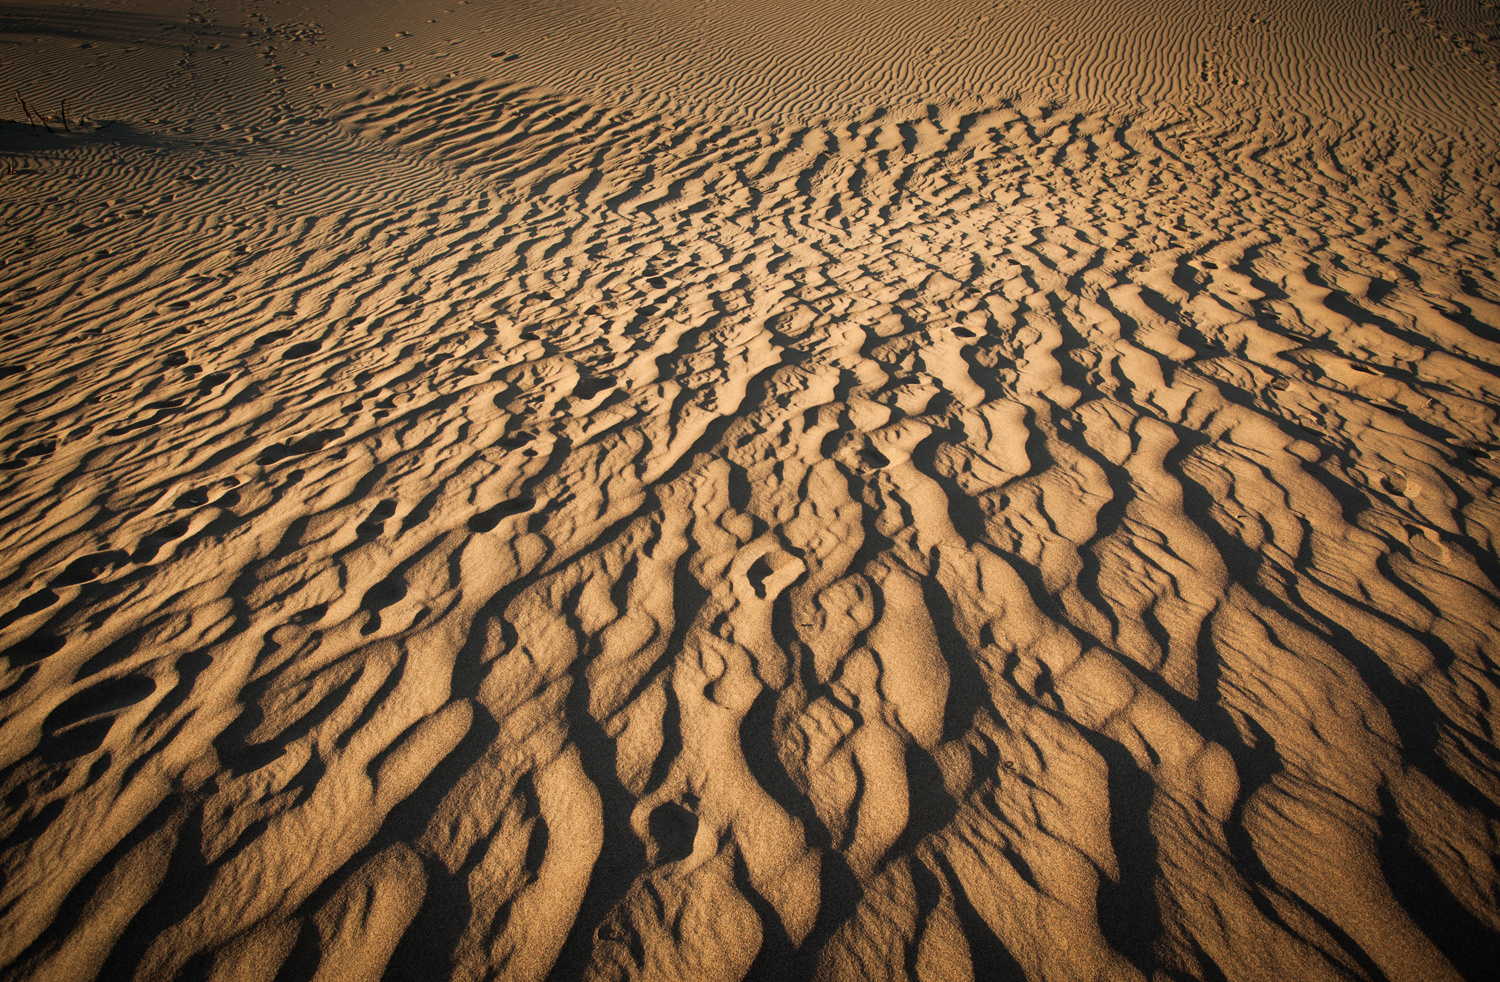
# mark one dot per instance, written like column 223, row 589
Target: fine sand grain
column 897, row 490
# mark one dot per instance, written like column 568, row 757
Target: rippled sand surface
column 930, row 491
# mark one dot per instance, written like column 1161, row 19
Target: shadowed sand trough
column 965, row 491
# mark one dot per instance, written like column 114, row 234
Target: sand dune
column 965, row 491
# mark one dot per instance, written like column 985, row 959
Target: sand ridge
column 456, row 525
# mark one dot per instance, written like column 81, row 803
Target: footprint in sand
column 152, row 543
column 80, row 724
column 212, row 381
column 1469, row 450
column 389, row 591
column 374, row 526
column 194, row 498
column 1429, row 541
column 198, row 497
column 588, row 387
column 300, row 350
column 29, row 651
column 41, row 449
column 486, row 520
column 91, row 567
column 515, row 441
column 311, row 615
column 38, row 601
column 311, row 443
column 673, row 829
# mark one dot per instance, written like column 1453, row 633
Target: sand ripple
column 549, row 539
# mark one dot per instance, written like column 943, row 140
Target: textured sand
column 942, row 491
